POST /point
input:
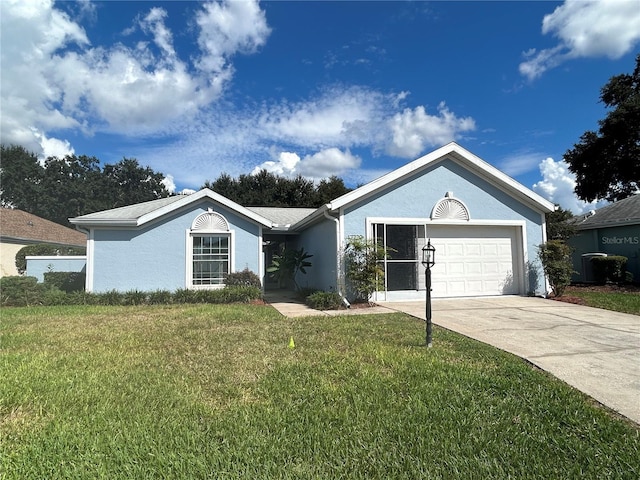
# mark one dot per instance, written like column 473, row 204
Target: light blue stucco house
column 484, row 225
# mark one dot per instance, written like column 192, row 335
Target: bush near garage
column 555, row 256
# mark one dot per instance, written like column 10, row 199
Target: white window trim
column 198, row 230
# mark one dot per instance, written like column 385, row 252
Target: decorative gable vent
column 450, row 208
column 210, row 221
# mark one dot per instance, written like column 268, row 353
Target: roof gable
column 142, row 213
column 460, row 155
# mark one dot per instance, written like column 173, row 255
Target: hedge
column 66, row 281
column 609, row 269
column 43, row 249
column 19, row 291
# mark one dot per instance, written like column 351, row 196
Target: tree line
column 60, row 188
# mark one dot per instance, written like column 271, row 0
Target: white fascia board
column 486, row 171
column 204, row 193
column 319, row 213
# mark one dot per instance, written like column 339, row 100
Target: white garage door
column 474, row 260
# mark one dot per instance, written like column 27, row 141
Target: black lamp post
column 428, row 261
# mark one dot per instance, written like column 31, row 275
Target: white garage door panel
column 473, row 260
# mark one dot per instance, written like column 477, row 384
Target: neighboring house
column 610, row 230
column 484, row 225
column 19, row 229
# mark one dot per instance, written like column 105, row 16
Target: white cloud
column 53, row 147
column 226, row 28
column 586, row 28
column 323, row 164
column 54, row 79
column 338, row 116
column 558, row 185
column 415, row 130
column 169, row 183
column 285, row 165
column 520, row 163
column 330, row 161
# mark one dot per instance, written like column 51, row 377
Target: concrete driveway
column 596, row 351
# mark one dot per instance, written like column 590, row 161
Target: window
column 209, row 251
column 401, row 266
column 210, row 259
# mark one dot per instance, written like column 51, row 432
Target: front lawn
column 625, row 299
column 204, row 391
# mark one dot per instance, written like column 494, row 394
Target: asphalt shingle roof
column 622, row 212
column 282, row 216
column 131, row 212
column 20, row 225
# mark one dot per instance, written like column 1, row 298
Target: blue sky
column 354, row 89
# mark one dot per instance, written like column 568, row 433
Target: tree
column 607, row 163
column 20, row 177
column 127, row 182
column 560, row 225
column 330, row 189
column 266, row 189
column 70, row 186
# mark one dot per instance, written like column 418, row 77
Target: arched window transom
column 210, row 221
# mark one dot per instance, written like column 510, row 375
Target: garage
column 475, row 260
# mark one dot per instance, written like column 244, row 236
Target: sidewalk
column 289, row 305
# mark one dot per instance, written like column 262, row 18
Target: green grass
column 215, row 392
column 626, row 302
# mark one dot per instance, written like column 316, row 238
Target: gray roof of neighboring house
column 620, row 213
column 283, row 216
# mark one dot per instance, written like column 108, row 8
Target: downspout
column 339, row 289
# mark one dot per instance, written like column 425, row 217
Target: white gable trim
column 471, row 161
column 204, row 193
column 105, row 221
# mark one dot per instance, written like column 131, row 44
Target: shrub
column 65, row 281
column 26, row 291
column 112, row 297
column 324, row 300
column 245, row 278
column 286, row 266
column 44, row 249
column 555, row 256
column 160, row 297
column 17, row 291
column 134, row 297
column 609, row 269
column 364, row 271
column 55, row 296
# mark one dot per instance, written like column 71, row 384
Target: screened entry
column 402, row 267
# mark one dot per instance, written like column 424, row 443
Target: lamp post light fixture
column 428, row 261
